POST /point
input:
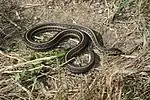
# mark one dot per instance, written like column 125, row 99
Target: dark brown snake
column 79, row 32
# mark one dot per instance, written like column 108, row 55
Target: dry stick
column 28, row 6
column 4, row 98
column 92, row 84
column 70, row 91
column 10, row 34
column 120, row 39
column 7, row 88
column 137, row 58
column 120, row 93
column 2, row 31
column 9, row 56
column 27, row 91
column 13, row 23
column 67, row 62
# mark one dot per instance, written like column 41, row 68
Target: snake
column 82, row 33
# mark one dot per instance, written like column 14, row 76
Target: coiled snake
column 82, row 33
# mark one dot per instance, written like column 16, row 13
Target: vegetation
column 28, row 74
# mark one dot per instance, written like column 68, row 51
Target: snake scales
column 79, row 32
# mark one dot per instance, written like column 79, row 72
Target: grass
column 27, row 74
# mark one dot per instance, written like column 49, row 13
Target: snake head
column 114, row 52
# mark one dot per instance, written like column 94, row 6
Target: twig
column 31, row 6
column 92, row 84
column 27, row 91
column 136, row 59
column 4, row 98
column 13, row 23
column 2, row 31
column 66, row 62
column 7, row 88
column 129, row 56
column 6, row 55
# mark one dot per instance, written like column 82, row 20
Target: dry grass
column 124, row 24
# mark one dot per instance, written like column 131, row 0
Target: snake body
column 80, row 32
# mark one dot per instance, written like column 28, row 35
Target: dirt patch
column 123, row 25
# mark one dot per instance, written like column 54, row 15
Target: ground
column 123, row 24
